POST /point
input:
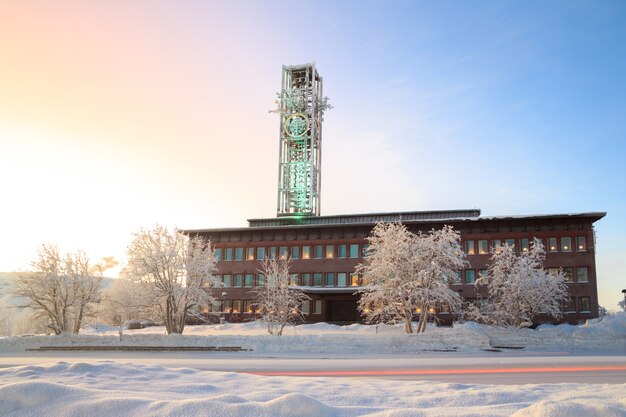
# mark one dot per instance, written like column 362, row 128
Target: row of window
column 581, row 276
column 294, row 252
column 318, row 279
column 563, row 244
column 250, row 307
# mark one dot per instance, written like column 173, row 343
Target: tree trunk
column 408, row 327
column 421, row 327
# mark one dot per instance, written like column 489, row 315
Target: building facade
column 326, row 249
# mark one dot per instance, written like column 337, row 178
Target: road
column 484, row 368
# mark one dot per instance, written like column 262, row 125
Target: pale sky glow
column 117, row 115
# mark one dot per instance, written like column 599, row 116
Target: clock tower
column 301, row 107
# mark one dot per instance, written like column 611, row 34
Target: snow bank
column 109, row 389
column 607, row 335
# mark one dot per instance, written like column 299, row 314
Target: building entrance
column 343, row 310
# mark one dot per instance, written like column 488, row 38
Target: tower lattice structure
column 301, row 107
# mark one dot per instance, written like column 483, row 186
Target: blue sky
column 158, row 112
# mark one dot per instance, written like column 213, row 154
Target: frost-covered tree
column 519, row 288
column 63, row 289
column 177, row 269
column 278, row 304
column 127, row 299
column 406, row 273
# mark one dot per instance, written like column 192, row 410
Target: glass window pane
column 469, row 247
column 293, row 279
column 566, row 244
column 524, row 245
column 330, row 251
column 470, row 276
column 247, row 306
column 236, row 306
column 260, row 253
column 580, row 243
column 227, row 306
column 483, row 247
column 218, row 254
column 354, row 251
column 306, row 252
column 250, row 254
column 306, row 280
column 318, row 251
column 304, row 307
column 228, row 280
column 229, row 254
column 317, row 279
column 318, row 307
column 511, row 243
column 365, row 249
column 497, row 245
column 260, row 280
column 283, row 252
column 238, row 280
column 342, row 251
column 584, row 304
column 239, row 254
column 249, row 280
column 341, row 279
column 272, row 252
column 295, row 252
column 582, row 274
column 569, row 274
column 330, row 279
column 552, row 244
column 354, row 280
column 457, row 278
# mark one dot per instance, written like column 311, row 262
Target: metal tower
column 301, row 108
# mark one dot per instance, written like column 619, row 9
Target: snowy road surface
column 483, row 368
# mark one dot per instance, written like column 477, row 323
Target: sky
column 119, row 115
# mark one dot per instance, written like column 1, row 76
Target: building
column 326, row 249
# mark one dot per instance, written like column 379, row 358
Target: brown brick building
column 325, row 250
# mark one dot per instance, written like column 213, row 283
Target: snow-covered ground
column 109, row 389
column 112, row 388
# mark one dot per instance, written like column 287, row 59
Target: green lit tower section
column 301, row 107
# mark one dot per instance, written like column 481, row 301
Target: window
column 470, row 276
column 228, row 255
column 306, row 280
column 457, row 278
column 295, row 252
column 236, row 306
column 553, row 271
column 248, row 280
column 260, row 253
column 272, row 252
column 580, row 243
column 250, row 254
column 552, row 244
column 354, row 280
column 318, row 251
column 293, row 279
column 569, row 274
column 305, row 306
column 237, row 280
column 283, row 252
column 341, row 279
column 317, row 308
column 524, row 245
column 330, row 279
column 228, row 280
column 239, row 254
column 582, row 274
column 354, row 250
column 483, row 247
column 584, row 304
column 566, row 244
column 317, row 279
column 511, row 243
column 469, row 247
column 365, row 250
column 497, row 244
column 342, row 251
column 260, row 280
column 227, row 306
column 306, row 252
column 247, row 306
column 330, row 251
column 218, row 254
column 569, row 306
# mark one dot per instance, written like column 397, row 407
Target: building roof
column 371, row 219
